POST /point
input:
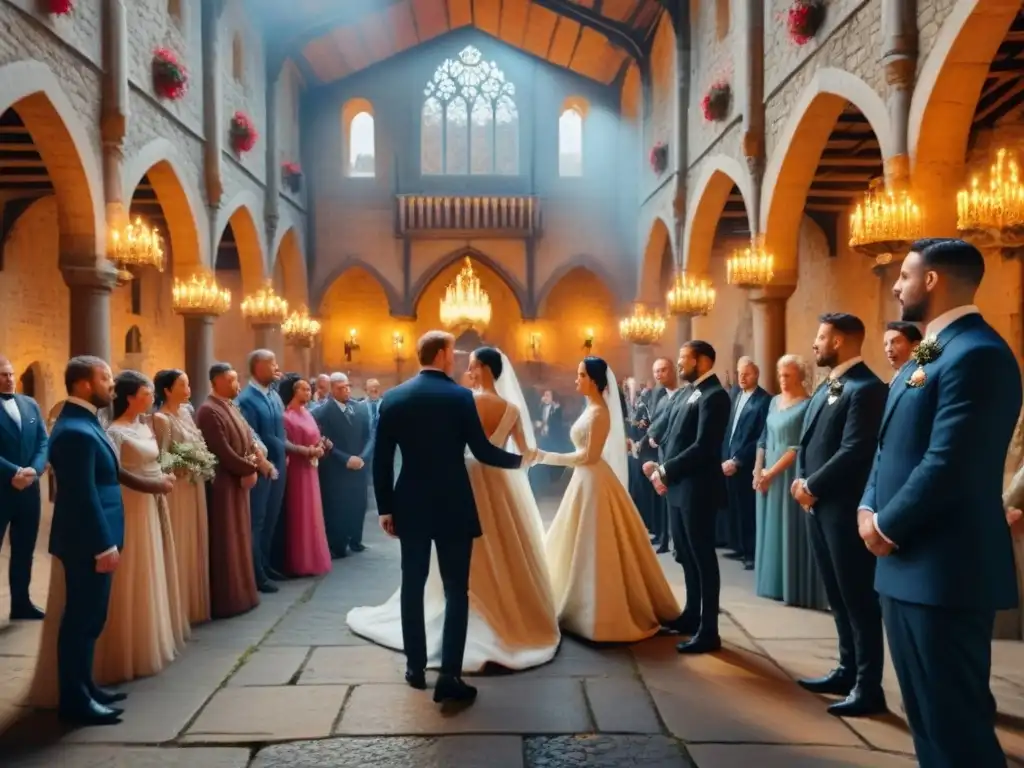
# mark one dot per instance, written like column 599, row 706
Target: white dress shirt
column 11, row 406
column 842, row 368
column 745, row 396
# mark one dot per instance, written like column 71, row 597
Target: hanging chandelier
column 642, row 327
column 135, row 245
column 689, row 296
column 300, row 330
column 887, row 221
column 200, row 295
column 265, row 307
column 750, row 267
column 465, row 302
column 993, row 213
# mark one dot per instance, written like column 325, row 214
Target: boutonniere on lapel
column 694, row 397
column 835, row 390
column 927, row 351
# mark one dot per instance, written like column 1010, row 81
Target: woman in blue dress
column 784, row 567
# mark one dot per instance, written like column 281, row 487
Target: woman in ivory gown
column 512, row 616
column 607, row 581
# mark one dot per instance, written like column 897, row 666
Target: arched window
column 133, row 341
column 136, row 288
column 238, row 58
column 570, row 141
column 360, row 146
column 469, row 123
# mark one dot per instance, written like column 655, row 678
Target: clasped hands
column 650, row 470
column 798, row 490
column 869, row 534
column 532, row 457
column 23, row 478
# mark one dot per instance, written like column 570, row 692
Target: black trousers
column 453, row 558
column 659, row 521
column 265, row 501
column 23, row 519
column 85, row 614
column 848, row 571
column 943, row 659
column 742, row 514
column 693, row 534
column 354, row 513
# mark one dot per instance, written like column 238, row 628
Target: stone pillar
column 684, row 330
column 213, row 102
column 305, row 356
column 271, row 208
column 269, row 337
column 114, row 111
column 199, row 355
column 89, row 289
column 768, row 307
column 753, row 140
column 899, row 59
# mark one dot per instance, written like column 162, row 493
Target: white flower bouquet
column 190, row 461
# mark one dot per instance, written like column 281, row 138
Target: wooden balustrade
column 447, row 215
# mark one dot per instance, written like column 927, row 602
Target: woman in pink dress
column 305, row 539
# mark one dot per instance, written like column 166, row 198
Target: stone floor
column 288, row 686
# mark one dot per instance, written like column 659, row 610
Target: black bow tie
column 4, row 396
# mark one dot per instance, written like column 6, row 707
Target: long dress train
column 512, row 616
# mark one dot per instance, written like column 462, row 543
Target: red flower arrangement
column 243, row 133
column 61, row 7
column 715, row 104
column 804, row 19
column 170, row 78
column 659, row 157
column 291, row 174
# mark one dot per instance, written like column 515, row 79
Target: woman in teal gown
column 784, row 567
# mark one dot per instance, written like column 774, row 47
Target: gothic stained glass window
column 469, row 123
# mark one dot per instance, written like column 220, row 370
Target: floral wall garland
column 658, row 157
column 715, row 104
column 61, row 7
column 803, row 20
column 170, row 78
column 243, row 133
column 291, row 175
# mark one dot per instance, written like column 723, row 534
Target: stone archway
column 721, row 178
column 650, row 289
column 290, row 264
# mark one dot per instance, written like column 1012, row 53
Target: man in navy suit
column 432, row 420
column 22, row 461
column 262, row 408
column 932, row 510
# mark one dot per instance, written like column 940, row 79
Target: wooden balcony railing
column 446, row 215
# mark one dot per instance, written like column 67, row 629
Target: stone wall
column 713, row 49
column 244, row 88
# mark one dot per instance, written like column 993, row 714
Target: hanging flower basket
column 804, row 19
column 291, row 175
column 61, row 7
column 170, row 78
column 715, row 104
column 243, row 133
column 659, row 157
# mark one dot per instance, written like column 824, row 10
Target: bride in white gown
column 607, row 581
column 512, row 616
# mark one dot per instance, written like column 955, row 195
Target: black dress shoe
column 683, row 624
column 417, row 680
column 860, row 703
column 451, row 688
column 337, row 554
column 105, row 697
column 275, row 575
column 733, row 555
column 267, row 587
column 748, row 565
column 838, row 682
column 357, row 547
column 91, row 714
column 662, row 548
column 26, row 613
column 699, row 644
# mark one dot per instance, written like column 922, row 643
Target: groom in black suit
column 431, row 420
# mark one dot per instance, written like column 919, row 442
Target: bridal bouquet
column 189, row 460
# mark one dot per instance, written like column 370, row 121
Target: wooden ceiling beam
column 617, row 34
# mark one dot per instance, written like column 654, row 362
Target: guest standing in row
column 667, row 377
column 899, row 342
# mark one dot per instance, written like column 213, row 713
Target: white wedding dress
column 607, row 581
column 511, row 610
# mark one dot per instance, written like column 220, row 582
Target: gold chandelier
column 200, row 295
column 265, row 307
column 300, row 330
column 887, row 221
column 465, row 302
column 689, row 296
column 642, row 327
column 750, row 267
column 993, row 213
column 135, row 245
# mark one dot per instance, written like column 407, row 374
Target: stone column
column 89, row 289
column 753, row 140
column 768, row 307
column 305, row 356
column 114, row 111
column 269, row 337
column 684, row 330
column 199, row 354
column 213, row 102
column 899, row 59
column 271, row 208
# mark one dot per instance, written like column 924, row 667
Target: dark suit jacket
column 431, row 420
column 740, row 444
column 937, row 478
column 24, row 447
column 660, row 409
column 351, row 437
column 693, row 446
column 265, row 414
column 88, row 513
column 838, row 440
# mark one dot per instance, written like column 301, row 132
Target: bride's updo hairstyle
column 127, row 384
column 597, row 371
column 490, row 358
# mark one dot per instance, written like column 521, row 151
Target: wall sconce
column 588, row 340
column 397, row 342
column 351, row 345
column 535, row 345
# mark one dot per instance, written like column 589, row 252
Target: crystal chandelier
column 300, row 329
column 995, row 212
column 886, row 221
column 689, row 296
column 750, row 267
column 200, row 295
column 465, row 303
column 135, row 245
column 265, row 307
column 642, row 327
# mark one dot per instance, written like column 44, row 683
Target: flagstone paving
column 288, row 686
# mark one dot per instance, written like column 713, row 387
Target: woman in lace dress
column 173, row 424
column 607, row 581
column 146, row 623
column 512, row 620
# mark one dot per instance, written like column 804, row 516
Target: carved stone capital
column 770, row 294
column 900, row 70
column 100, row 277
